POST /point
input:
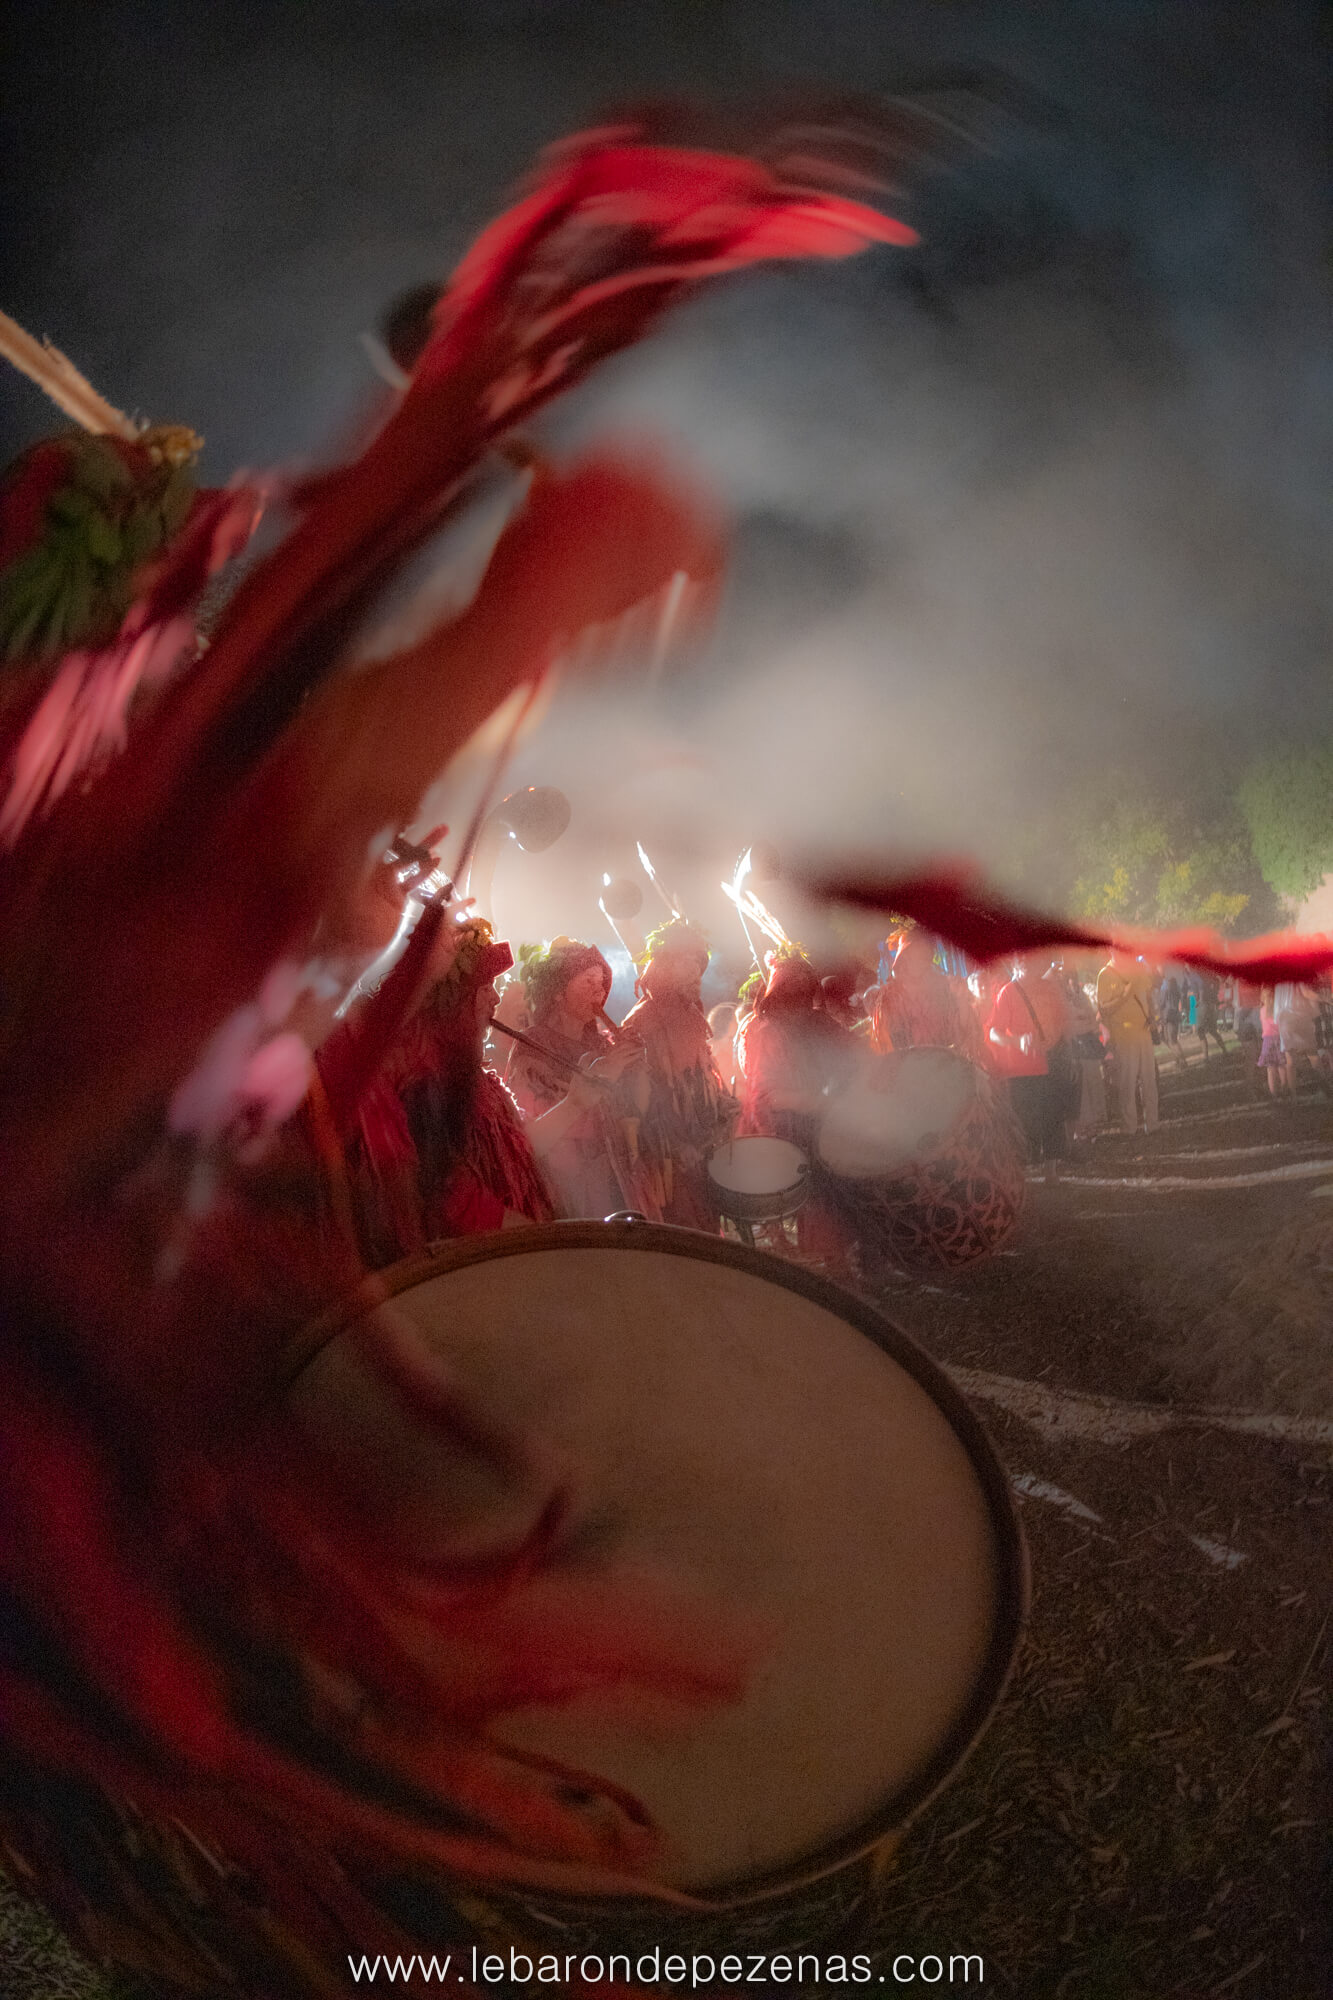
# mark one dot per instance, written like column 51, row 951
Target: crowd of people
column 1077, row 1044
column 505, row 1094
column 461, row 1092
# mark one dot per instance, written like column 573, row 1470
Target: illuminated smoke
column 1046, row 506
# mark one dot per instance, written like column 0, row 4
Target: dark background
column 1041, row 509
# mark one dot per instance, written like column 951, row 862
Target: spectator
column 1028, row 1020
column 1050, row 998
column 1089, row 1055
column 1270, row 1047
column 1189, row 993
column 1250, row 1034
column 1206, row 1017
column 1296, row 1011
column 1323, row 1027
column 1168, row 1009
column 1124, row 1002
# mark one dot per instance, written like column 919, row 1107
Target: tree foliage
column 1287, row 802
column 1142, row 860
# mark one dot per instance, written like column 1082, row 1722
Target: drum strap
column 1032, row 1010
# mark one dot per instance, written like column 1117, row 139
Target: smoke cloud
column 1039, row 510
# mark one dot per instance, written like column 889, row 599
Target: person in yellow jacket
column 1124, row 1002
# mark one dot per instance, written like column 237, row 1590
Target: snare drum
column 757, row 1179
column 923, row 1156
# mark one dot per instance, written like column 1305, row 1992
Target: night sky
column 1047, row 502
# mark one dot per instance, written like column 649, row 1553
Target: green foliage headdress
column 676, row 936
column 546, row 971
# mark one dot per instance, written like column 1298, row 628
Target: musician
column 603, row 1162
column 842, row 998
column 690, row 1111
column 424, row 1139
column 751, row 988
column 511, row 1011
column 476, row 1165
column 791, row 1052
column 914, row 1007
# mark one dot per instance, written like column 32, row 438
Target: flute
column 549, row 1055
column 618, row 1035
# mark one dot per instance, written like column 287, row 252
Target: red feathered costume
column 790, row 1052
column 433, row 1145
column 219, row 1752
column 916, row 1008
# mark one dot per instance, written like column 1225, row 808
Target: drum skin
column 758, row 1179
column 888, row 1655
column 935, row 1196
column 746, row 1433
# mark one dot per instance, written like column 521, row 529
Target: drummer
column 791, row 1052
column 915, row 1007
column 690, row 1111
column 604, row 1162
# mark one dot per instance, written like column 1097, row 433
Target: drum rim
column 771, row 1204
column 1013, row 1567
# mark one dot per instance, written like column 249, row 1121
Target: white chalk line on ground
column 1196, row 1087
column 1299, row 1170
column 1238, row 1152
column 1255, row 1107
column 1029, row 1487
column 1032, row 1488
column 1078, row 1413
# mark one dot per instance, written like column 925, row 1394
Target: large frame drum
column 755, row 1437
column 734, row 1430
column 923, row 1157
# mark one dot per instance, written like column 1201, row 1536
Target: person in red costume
column 689, row 1110
column 791, row 1052
column 915, row 1008
column 602, row 1162
column 437, row 1148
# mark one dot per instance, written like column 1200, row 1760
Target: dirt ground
column 1147, row 1817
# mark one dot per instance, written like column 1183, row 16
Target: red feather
column 956, row 904
column 159, row 1544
